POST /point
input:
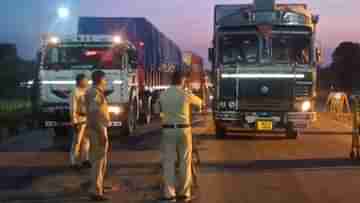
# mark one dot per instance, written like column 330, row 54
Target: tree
column 346, row 65
column 13, row 71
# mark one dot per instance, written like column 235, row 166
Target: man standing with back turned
column 98, row 121
column 177, row 138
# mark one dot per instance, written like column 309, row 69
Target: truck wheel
column 220, row 132
column 291, row 132
column 130, row 121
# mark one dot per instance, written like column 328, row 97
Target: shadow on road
column 260, row 165
column 247, row 136
column 16, row 178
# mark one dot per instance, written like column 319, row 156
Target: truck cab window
column 84, row 57
column 241, row 49
column 291, row 49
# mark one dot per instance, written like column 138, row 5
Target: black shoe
column 86, row 164
column 99, row 198
column 167, row 199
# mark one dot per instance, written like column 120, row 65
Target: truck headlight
column 222, row 104
column 306, row 106
column 232, row 104
column 116, row 110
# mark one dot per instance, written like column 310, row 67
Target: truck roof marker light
column 54, row 40
column 117, row 39
column 264, row 76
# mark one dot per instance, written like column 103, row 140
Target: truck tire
column 220, row 132
column 130, row 121
column 291, row 132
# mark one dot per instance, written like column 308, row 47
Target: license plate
column 264, row 125
column 51, row 124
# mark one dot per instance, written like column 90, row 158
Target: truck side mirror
column 211, row 54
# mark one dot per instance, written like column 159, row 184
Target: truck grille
column 258, row 95
column 265, row 91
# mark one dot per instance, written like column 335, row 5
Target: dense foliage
column 344, row 71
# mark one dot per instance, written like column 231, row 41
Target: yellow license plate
column 264, row 125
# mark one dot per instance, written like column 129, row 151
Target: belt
column 175, row 126
column 81, row 114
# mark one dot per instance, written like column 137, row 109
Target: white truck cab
column 61, row 59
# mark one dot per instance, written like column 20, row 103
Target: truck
column 196, row 76
column 137, row 58
column 264, row 62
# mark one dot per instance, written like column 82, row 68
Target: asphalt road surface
column 241, row 168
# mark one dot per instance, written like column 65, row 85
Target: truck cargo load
column 196, row 75
column 159, row 50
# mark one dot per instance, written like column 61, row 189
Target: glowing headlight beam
column 306, row 106
column 115, row 109
column 260, row 76
column 117, row 40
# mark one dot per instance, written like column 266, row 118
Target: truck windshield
column 242, row 49
column 293, row 49
column 84, row 57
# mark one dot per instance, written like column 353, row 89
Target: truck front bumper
column 53, row 124
column 247, row 120
column 58, row 116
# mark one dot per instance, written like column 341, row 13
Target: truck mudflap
column 302, row 120
column 52, row 124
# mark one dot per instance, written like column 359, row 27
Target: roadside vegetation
column 15, row 105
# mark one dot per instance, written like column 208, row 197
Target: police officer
column 98, row 121
column 80, row 144
column 177, row 138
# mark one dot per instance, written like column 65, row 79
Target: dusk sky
column 187, row 22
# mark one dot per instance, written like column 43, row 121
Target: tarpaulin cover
column 158, row 49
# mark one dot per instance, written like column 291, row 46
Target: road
column 241, row 168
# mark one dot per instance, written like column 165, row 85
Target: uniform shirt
column 175, row 105
column 77, row 106
column 97, row 107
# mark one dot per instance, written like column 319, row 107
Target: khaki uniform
column 98, row 121
column 80, row 144
column 177, row 143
